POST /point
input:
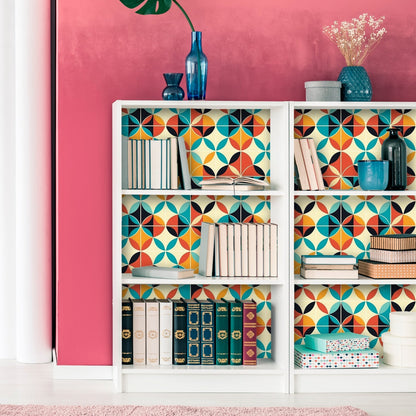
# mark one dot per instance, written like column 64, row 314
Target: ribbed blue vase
column 196, row 66
column 356, row 85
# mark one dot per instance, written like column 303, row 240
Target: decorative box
column 399, row 351
column 346, row 341
column 307, row 358
column 403, row 324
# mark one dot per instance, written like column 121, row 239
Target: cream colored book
column 316, row 166
column 252, row 250
column 222, row 248
column 307, row 158
column 266, row 250
column 152, row 332
column 273, row 250
column 260, row 250
column 139, row 332
column 244, row 249
column 165, row 331
column 237, row 249
column 300, row 164
column 230, row 249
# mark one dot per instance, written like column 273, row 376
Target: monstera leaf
column 149, row 6
column 155, row 7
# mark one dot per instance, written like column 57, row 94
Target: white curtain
column 25, row 176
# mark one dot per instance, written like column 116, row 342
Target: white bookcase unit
column 349, row 131
column 263, row 125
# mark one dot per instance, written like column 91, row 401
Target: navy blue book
column 126, row 332
column 207, row 332
column 193, row 330
column 179, row 332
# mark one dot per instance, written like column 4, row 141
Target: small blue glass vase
column 356, row 85
column 196, row 66
column 173, row 91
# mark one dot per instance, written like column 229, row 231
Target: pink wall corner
column 106, row 52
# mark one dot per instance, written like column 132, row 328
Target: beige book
column 237, row 249
column 266, row 251
column 222, row 248
column 273, row 249
column 316, row 166
column 139, row 332
column 152, row 332
column 244, row 249
column 230, row 249
column 165, row 331
column 174, row 183
column 252, row 250
column 260, row 250
column 328, row 266
column 307, row 158
column 300, row 164
column 329, row 274
column 130, row 163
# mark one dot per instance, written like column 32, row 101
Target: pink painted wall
column 256, row 51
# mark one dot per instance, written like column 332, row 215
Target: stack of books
column 189, row 332
column 238, row 249
column 157, row 164
column 392, row 256
column 329, row 267
column 307, row 163
column 340, row 350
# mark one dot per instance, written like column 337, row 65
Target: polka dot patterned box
column 307, row 358
column 345, row 341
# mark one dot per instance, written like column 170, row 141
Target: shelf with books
column 340, row 220
column 162, row 227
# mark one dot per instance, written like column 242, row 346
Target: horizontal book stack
column 238, row 249
column 189, row 332
column 157, row 164
column 307, row 163
column 392, row 256
column 328, row 267
column 340, row 350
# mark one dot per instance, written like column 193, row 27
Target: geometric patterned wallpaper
column 343, row 224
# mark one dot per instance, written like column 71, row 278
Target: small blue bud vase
column 356, row 85
column 196, row 68
column 173, row 91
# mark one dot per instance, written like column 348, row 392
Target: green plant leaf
column 149, row 6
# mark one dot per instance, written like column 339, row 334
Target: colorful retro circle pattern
column 260, row 294
column 343, row 137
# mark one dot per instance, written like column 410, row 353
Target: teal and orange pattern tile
column 260, row 294
column 218, row 142
column 343, row 137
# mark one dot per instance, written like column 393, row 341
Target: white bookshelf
column 269, row 375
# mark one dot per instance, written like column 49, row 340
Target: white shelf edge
column 362, row 105
column 355, row 192
column 362, row 280
column 270, row 192
column 127, row 279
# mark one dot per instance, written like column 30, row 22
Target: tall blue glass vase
column 196, row 68
column 356, row 85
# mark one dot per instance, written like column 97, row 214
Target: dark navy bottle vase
column 393, row 149
column 196, row 68
column 356, row 85
column 173, row 91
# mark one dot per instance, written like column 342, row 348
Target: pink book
column 249, row 332
column 307, row 158
column 152, row 332
column 303, row 177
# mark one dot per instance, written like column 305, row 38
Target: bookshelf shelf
column 362, row 280
column 163, row 227
column 338, row 192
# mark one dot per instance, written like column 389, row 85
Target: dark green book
column 236, row 332
column 193, row 329
column 126, row 332
column 179, row 332
column 207, row 332
column 221, row 332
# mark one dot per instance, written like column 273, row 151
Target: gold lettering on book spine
column 222, row 334
column 236, row 334
column 222, row 360
column 179, row 334
column 126, row 333
column 180, row 360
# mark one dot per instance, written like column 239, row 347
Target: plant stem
column 184, row 12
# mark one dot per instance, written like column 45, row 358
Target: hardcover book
column 183, row 164
column 152, row 332
column 329, row 273
column 273, row 249
column 237, row 249
column 393, row 241
column 174, row 182
column 378, row 270
column 223, row 249
column 300, row 164
column 252, row 250
column 193, row 321
column 393, row 256
column 260, row 250
column 163, row 272
column 207, row 332
column 206, row 249
column 127, row 332
column 346, row 341
column 307, row 358
column 179, row 332
column 328, row 259
column 315, row 163
column 249, row 332
column 230, row 249
column 221, row 331
column 244, row 249
column 139, row 332
column 235, row 310
column 307, row 158
column 165, row 331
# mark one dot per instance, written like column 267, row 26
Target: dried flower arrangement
column 357, row 38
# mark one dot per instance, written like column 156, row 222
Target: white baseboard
column 84, row 372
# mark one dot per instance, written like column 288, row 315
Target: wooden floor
column 34, row 384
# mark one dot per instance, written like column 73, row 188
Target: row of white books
column 238, row 249
column 307, row 163
column 157, row 164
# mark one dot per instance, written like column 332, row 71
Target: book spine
column 392, row 243
column 174, row 163
column 249, row 333
column 236, row 333
column 252, row 250
column 165, row 333
column 130, row 164
column 179, row 332
column 147, row 156
column 315, row 162
column 207, row 334
column 126, row 332
column 266, row 251
column 206, row 250
column 222, row 248
column 393, row 256
column 260, row 250
column 244, row 249
column 300, row 164
column 155, row 164
column 237, row 249
column 307, row 158
column 134, row 162
column 221, row 334
column 230, row 249
column 184, row 167
column 193, row 330
column 139, row 332
column 152, row 332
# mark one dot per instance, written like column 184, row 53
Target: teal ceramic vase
column 356, row 85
